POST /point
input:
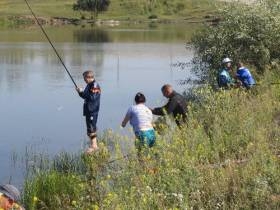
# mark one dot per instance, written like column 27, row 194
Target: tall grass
column 225, row 157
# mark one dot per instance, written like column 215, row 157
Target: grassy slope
column 225, row 158
column 130, row 10
column 42, row 8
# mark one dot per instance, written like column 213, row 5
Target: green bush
column 153, row 16
column 250, row 33
column 52, row 190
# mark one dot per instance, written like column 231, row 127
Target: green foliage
column 153, row 16
column 52, row 190
column 225, row 157
column 94, row 6
column 139, row 10
column 13, row 22
column 164, row 7
column 250, row 33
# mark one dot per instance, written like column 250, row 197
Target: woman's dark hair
column 140, row 98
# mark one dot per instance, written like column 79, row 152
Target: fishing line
column 60, row 59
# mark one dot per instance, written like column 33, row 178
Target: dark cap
column 10, row 191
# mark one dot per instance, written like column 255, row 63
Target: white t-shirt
column 140, row 117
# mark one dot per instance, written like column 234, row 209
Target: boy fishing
column 91, row 95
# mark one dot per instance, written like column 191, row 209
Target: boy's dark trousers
column 91, row 121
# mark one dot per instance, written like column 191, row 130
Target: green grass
column 225, row 157
column 41, row 8
column 118, row 10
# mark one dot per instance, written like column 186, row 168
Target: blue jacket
column 244, row 75
column 224, row 79
column 91, row 96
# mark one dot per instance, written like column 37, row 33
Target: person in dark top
column 176, row 105
column 91, row 95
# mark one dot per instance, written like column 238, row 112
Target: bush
column 52, row 190
column 153, row 16
column 250, row 33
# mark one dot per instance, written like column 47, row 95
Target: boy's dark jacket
column 91, row 95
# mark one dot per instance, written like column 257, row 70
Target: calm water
column 39, row 105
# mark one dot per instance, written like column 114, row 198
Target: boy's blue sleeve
column 82, row 95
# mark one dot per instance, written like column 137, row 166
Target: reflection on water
column 91, row 36
column 171, row 33
column 38, row 101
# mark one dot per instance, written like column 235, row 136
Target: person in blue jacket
column 244, row 76
column 91, row 95
column 224, row 78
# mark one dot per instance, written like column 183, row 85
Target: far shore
column 28, row 20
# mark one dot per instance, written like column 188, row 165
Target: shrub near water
column 247, row 32
column 52, row 190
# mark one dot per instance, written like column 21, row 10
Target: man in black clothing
column 176, row 105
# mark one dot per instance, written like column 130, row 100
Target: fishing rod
column 44, row 32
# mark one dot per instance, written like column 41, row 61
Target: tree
column 93, row 6
column 250, row 33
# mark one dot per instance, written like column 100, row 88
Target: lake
column 39, row 105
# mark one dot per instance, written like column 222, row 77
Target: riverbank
column 16, row 14
column 226, row 157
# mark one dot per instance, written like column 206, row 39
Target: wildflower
column 144, row 200
column 174, row 194
column 95, row 207
column 81, row 185
column 149, row 188
column 74, row 203
column 180, row 197
column 110, row 195
column 35, row 199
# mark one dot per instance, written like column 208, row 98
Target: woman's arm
column 125, row 120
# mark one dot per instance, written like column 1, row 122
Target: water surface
column 39, row 105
